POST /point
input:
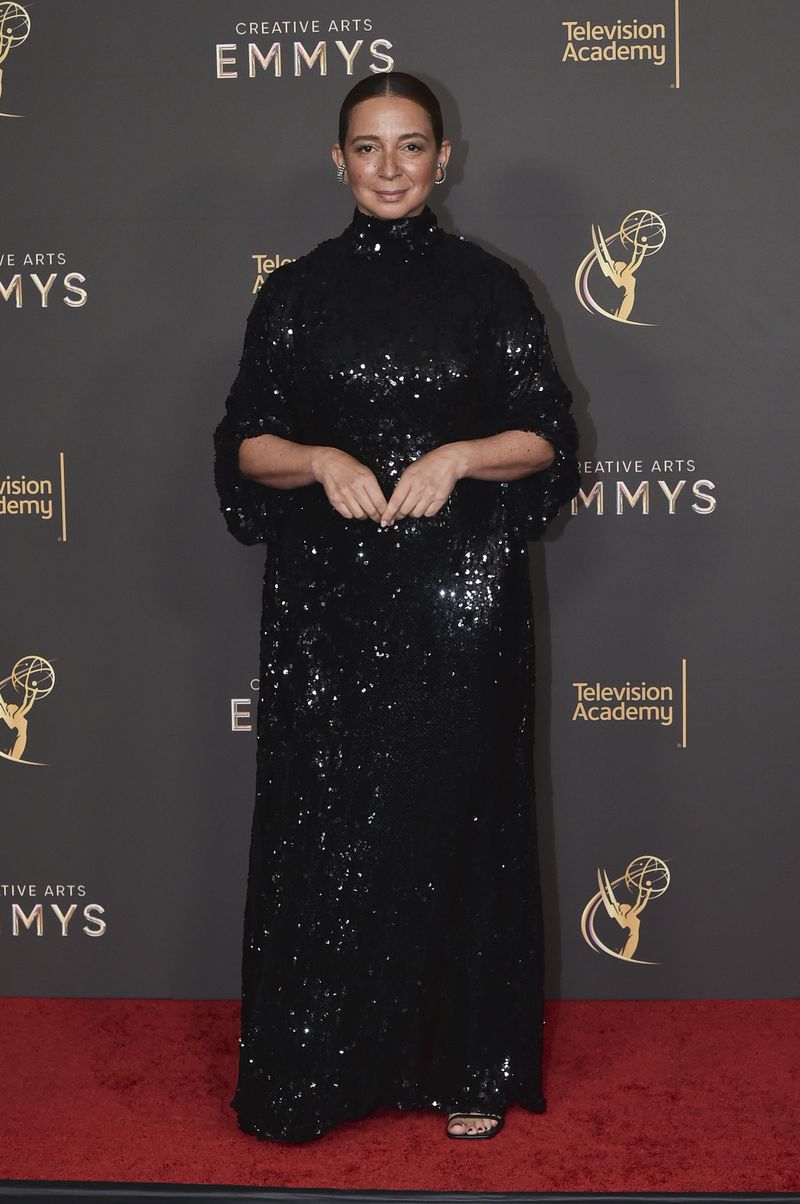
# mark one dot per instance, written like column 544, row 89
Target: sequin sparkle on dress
column 392, row 951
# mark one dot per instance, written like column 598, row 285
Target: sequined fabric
column 392, row 951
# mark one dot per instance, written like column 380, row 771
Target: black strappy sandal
column 466, row 1116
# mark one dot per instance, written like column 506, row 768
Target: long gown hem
column 400, row 1103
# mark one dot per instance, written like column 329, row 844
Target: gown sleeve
column 257, row 404
column 531, row 396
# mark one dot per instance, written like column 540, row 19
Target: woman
column 396, row 433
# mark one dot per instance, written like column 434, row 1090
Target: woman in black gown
column 396, row 433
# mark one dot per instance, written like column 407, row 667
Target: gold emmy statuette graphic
column 641, row 234
column 33, row 677
column 15, row 25
column 646, row 878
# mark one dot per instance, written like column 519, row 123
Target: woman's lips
column 392, row 196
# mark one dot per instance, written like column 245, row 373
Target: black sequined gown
column 392, row 934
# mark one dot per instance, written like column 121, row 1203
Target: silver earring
column 340, row 173
column 444, row 174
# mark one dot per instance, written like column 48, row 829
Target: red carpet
column 642, row 1096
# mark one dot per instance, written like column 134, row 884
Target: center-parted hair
column 392, row 83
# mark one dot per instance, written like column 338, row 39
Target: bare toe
column 474, row 1124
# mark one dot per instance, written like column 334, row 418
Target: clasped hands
column 421, row 490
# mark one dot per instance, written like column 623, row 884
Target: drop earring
column 444, row 174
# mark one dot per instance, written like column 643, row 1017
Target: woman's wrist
column 318, row 455
column 463, row 452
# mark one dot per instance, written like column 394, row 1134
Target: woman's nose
column 388, row 166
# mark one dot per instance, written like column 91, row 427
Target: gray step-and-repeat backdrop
column 634, row 160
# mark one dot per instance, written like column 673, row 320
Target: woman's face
column 390, row 156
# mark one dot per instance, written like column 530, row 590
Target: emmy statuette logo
column 31, row 679
column 15, row 25
column 645, row 879
column 619, row 257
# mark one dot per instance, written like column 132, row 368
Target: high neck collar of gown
column 392, row 237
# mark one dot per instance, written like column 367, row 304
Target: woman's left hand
column 425, row 485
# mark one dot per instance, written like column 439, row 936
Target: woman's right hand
column 350, row 486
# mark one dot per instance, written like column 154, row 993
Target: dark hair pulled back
column 392, row 83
